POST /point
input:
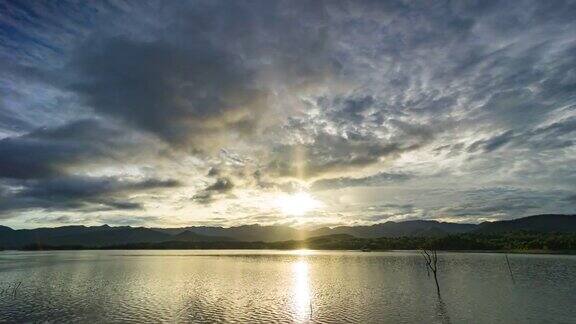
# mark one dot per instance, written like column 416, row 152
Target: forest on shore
column 513, row 241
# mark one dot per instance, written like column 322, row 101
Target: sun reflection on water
column 302, row 299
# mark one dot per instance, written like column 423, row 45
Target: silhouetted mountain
column 99, row 236
column 246, row 233
column 18, row 238
column 5, row 229
column 118, row 235
column 249, row 233
column 188, row 236
column 81, row 235
column 397, row 229
column 538, row 223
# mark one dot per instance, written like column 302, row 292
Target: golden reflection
column 302, row 299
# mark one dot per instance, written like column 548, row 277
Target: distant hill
column 101, row 236
column 188, row 236
column 81, row 235
column 5, row 229
column 539, row 223
column 252, row 233
column 246, row 233
column 396, row 229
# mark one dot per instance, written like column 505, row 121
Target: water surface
column 281, row 286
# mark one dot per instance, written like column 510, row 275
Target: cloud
column 378, row 179
column 202, row 82
column 74, row 187
column 221, row 185
column 76, row 193
column 210, row 192
column 118, row 220
column 505, row 203
column 203, row 198
column 333, row 153
column 493, row 143
column 254, row 97
column 178, row 94
column 549, row 137
column 48, row 152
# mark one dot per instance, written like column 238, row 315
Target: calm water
column 271, row 286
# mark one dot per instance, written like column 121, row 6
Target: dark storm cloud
column 35, row 169
column 79, row 187
column 200, row 80
column 75, row 193
column 379, row 179
column 221, row 185
column 203, row 198
column 207, row 195
column 179, row 94
column 47, row 152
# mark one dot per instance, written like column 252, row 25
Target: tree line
column 521, row 241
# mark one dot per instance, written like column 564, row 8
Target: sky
column 225, row 113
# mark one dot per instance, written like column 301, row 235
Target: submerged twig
column 509, row 268
column 11, row 289
column 15, row 291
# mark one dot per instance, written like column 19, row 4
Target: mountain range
column 100, row 236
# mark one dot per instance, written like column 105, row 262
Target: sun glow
column 297, row 204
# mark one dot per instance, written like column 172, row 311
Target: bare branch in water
column 431, row 258
column 509, row 268
column 11, row 289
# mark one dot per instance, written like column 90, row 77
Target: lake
column 284, row 286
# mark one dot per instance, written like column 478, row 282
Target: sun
column 297, row 204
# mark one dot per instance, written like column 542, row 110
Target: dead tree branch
column 431, row 258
